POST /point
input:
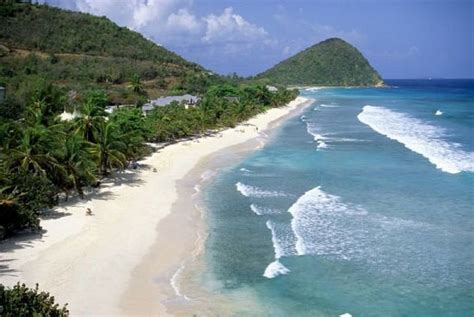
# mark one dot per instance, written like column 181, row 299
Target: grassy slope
column 332, row 62
column 81, row 51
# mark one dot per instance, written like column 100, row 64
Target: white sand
column 87, row 261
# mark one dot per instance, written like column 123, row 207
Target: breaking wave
column 252, row 191
column 419, row 137
column 283, row 245
column 259, row 210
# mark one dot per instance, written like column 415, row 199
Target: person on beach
column 88, row 212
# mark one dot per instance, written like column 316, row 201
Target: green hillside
column 79, row 51
column 332, row 62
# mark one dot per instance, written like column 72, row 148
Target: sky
column 400, row 38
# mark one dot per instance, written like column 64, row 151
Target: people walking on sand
column 88, row 212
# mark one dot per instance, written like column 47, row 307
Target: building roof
column 164, row 101
column 272, row 88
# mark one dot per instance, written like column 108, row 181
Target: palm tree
column 136, row 85
column 78, row 164
column 92, row 116
column 10, row 133
column 263, row 95
column 35, row 112
column 32, row 154
column 109, row 148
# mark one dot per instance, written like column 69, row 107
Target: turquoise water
column 363, row 205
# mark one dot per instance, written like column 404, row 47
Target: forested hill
column 77, row 50
column 332, row 62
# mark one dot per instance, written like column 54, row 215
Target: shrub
column 23, row 301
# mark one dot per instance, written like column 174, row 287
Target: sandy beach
column 122, row 260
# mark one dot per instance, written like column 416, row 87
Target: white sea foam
column 318, row 137
column 327, row 226
column 313, row 89
column 174, row 282
column 420, row 137
column 345, row 140
column 438, row 113
column 283, row 238
column 328, row 106
column 283, row 245
column 274, row 269
column 321, row 145
column 279, row 250
column 252, row 191
column 314, row 223
column 259, row 210
column 322, row 140
column 243, row 169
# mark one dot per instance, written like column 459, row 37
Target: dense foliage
column 43, row 158
column 79, row 51
column 23, row 301
column 332, row 62
column 52, row 60
column 50, row 30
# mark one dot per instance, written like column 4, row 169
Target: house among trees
column 187, row 100
column 272, row 88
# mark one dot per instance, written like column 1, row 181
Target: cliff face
column 332, row 62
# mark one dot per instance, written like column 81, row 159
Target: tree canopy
column 332, row 62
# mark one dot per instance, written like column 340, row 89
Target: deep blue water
column 364, row 205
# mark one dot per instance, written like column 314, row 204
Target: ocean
column 362, row 205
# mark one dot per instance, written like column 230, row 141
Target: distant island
column 332, row 62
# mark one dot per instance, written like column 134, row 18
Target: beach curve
column 91, row 262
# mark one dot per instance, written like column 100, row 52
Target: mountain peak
column 332, row 62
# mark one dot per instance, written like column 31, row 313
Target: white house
column 188, row 100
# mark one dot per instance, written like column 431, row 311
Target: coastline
column 100, row 260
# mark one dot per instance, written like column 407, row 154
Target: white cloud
column 183, row 21
column 173, row 23
column 231, row 27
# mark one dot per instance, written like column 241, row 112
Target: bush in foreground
column 23, row 301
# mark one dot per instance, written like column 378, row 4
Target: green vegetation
column 22, row 301
column 43, row 158
column 53, row 60
column 81, row 52
column 332, row 62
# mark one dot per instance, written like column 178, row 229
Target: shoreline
column 175, row 291
column 98, row 260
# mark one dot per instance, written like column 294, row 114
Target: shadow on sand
column 25, row 239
